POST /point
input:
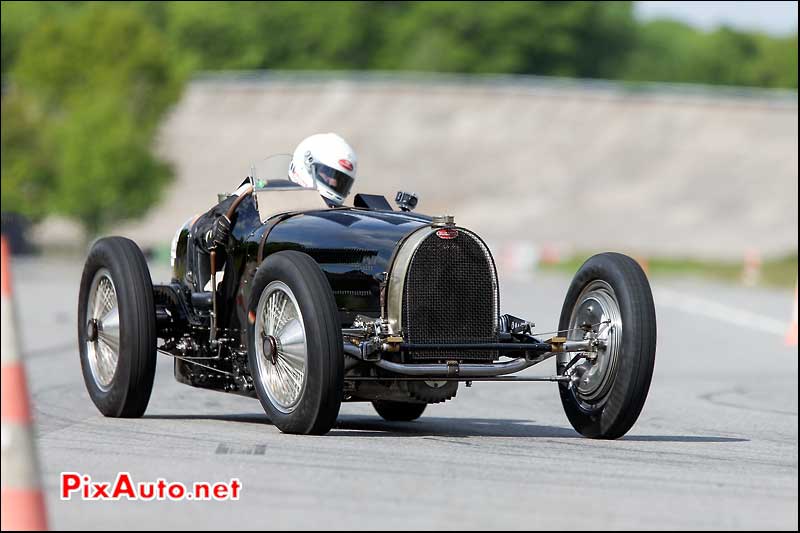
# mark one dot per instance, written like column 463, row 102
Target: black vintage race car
column 309, row 306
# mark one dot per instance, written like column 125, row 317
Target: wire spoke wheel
column 281, row 347
column 294, row 344
column 117, row 328
column 102, row 325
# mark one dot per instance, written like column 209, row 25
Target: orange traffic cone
column 791, row 333
column 751, row 270
column 22, row 499
column 548, row 255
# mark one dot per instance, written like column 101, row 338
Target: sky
column 778, row 18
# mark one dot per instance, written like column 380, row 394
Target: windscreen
column 272, row 173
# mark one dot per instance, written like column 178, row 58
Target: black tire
column 611, row 416
column 129, row 390
column 399, row 411
column 321, row 397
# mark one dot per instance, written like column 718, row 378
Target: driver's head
column 327, row 162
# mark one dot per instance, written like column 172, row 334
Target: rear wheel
column 295, row 344
column 609, row 299
column 399, row 411
column 116, row 328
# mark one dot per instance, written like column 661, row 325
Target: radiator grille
column 451, row 296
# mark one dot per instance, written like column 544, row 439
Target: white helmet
column 327, row 162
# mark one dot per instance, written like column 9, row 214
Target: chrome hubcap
column 597, row 309
column 271, row 349
column 282, row 352
column 102, row 329
column 91, row 330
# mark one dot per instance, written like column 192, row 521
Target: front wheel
column 609, row 299
column 295, row 344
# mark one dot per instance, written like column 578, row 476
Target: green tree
column 27, row 167
column 101, row 81
column 278, row 35
column 671, row 51
column 20, row 18
column 776, row 65
column 108, row 177
column 549, row 38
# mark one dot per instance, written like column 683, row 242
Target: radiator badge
column 447, row 233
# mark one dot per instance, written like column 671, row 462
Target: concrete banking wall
column 583, row 166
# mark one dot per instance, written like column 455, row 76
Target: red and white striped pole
column 22, row 498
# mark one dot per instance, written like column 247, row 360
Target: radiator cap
column 443, row 220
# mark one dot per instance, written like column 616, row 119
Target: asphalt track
column 715, row 447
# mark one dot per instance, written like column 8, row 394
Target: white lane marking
column 724, row 313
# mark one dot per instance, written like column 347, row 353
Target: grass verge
column 775, row 272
